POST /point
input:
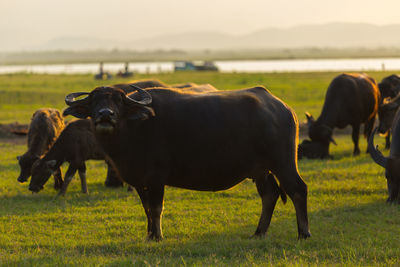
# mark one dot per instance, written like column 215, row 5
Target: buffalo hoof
column 58, row 185
column 392, row 200
column 258, row 235
column 304, row 235
column 113, row 183
column 154, row 237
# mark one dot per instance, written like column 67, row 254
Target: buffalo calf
column 45, row 126
column 75, row 145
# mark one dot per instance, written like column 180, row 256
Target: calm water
column 306, row 65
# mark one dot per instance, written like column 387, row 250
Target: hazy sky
column 37, row 21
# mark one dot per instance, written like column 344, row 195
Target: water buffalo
column 351, row 99
column 389, row 86
column 205, row 142
column 75, row 145
column 391, row 163
column 151, row 83
column 386, row 113
column 144, row 84
column 45, row 126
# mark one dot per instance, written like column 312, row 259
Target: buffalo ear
column 79, row 111
column 141, row 113
column 51, row 164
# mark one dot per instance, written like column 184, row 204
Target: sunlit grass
column 350, row 222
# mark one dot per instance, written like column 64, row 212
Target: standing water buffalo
column 391, row 163
column 205, row 142
column 46, row 125
column 351, row 99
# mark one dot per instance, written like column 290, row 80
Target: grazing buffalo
column 75, row 145
column 46, row 125
column 206, row 142
column 313, row 150
column 390, row 86
column 351, row 99
column 391, row 163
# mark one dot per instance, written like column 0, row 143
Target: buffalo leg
column 295, row 187
column 58, row 181
column 387, row 139
column 144, row 197
column 112, row 179
column 355, row 135
column 82, row 176
column 67, row 179
column 268, row 190
column 155, row 201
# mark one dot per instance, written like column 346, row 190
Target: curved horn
column 70, row 99
column 332, row 141
column 145, row 96
column 376, row 155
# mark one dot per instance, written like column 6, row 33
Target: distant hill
column 325, row 35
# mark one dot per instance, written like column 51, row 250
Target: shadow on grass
column 336, row 230
column 48, row 201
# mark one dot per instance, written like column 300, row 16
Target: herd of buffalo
column 196, row 137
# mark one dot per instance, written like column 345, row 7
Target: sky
column 37, row 21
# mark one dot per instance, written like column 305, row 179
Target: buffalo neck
column 395, row 145
column 56, row 152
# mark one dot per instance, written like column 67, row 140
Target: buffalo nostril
column 106, row 112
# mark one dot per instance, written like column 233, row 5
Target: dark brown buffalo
column 391, row 163
column 390, row 86
column 45, row 126
column 351, row 99
column 386, row 113
column 75, row 145
column 186, row 87
column 206, row 142
column 144, row 84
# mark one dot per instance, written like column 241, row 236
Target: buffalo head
column 106, row 106
column 389, row 86
column 313, row 150
column 25, row 162
column 392, row 166
column 387, row 111
column 41, row 172
column 319, row 132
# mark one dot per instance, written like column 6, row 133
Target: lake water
column 304, row 65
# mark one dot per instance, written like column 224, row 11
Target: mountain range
column 334, row 35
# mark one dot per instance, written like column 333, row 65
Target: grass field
column 350, row 222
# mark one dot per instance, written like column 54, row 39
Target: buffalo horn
column 375, row 153
column 332, row 141
column 145, row 96
column 70, row 99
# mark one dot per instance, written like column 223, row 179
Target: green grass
column 350, row 222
